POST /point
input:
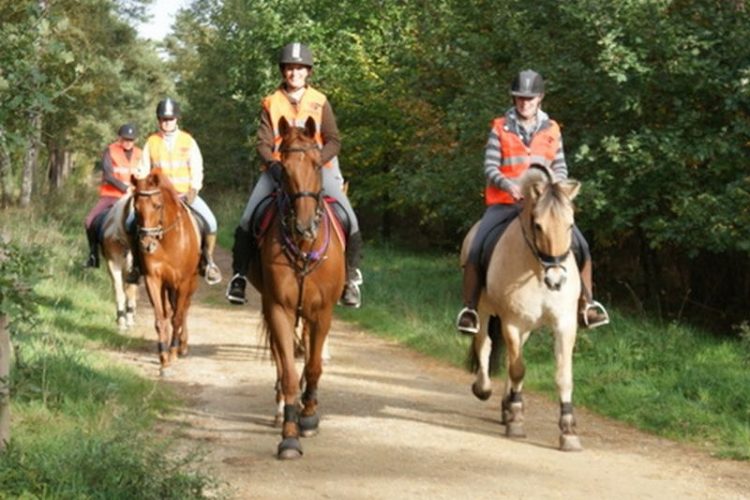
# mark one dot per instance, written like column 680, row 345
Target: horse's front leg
column 115, row 271
column 565, row 338
column 512, row 404
column 282, row 331
column 179, row 319
column 482, row 347
column 155, row 295
column 318, row 334
column 131, row 292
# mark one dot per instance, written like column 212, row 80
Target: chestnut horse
column 116, row 250
column 300, row 276
column 169, row 244
column 532, row 281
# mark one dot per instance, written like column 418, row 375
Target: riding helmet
column 296, row 53
column 167, row 108
column 127, row 131
column 528, row 83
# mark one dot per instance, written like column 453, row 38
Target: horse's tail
column 493, row 331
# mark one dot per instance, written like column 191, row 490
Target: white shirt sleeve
column 196, row 167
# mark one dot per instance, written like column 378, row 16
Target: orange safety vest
column 122, row 168
column 278, row 105
column 517, row 156
column 175, row 163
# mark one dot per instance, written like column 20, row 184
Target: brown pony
column 300, row 276
column 116, row 250
column 169, row 244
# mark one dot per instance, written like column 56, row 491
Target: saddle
column 98, row 225
column 266, row 211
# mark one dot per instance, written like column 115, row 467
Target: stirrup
column 236, row 298
column 357, row 279
column 217, row 277
column 596, row 306
column 468, row 330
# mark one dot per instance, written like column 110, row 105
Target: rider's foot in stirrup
column 92, row 261
column 213, row 274
column 467, row 321
column 352, row 296
column 236, row 289
column 594, row 315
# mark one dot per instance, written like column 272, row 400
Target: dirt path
column 396, row 424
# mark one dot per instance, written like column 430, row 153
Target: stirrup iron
column 466, row 329
column 596, row 306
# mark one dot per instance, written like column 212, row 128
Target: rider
column 119, row 161
column 179, row 157
column 523, row 136
column 295, row 100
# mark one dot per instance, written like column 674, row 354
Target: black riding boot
column 241, row 258
column 93, row 259
column 352, row 297
column 468, row 319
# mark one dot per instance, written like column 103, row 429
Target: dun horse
column 169, row 243
column 116, row 251
column 300, row 276
column 532, row 281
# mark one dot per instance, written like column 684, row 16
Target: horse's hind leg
column 564, row 342
column 131, row 293
column 481, row 347
column 182, row 301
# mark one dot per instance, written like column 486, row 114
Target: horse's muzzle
column 555, row 277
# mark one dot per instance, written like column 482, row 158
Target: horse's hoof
column 278, row 420
column 289, row 449
column 570, row 442
column 308, row 426
column 166, row 371
column 514, row 430
column 481, row 394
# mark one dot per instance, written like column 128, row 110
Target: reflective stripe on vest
column 122, row 168
column 175, row 162
column 311, row 105
column 517, row 157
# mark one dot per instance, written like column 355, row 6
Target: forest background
column 652, row 96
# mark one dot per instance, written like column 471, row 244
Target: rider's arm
column 265, row 139
column 330, row 133
column 144, row 166
column 492, row 161
column 108, row 175
column 559, row 166
column 196, row 167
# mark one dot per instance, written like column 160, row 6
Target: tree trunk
column 31, row 158
column 6, row 173
column 5, row 351
column 60, row 166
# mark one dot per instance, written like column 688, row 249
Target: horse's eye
column 537, row 227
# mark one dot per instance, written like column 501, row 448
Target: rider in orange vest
column 525, row 135
column 178, row 155
column 118, row 163
column 295, row 100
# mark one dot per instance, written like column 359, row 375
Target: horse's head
column 155, row 202
column 302, row 179
column 548, row 220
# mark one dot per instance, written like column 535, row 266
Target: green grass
column 82, row 426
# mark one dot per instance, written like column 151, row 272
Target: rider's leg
column 333, row 186
column 591, row 312
column 213, row 273
column 468, row 318
column 243, row 240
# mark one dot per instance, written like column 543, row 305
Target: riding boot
column 241, row 258
column 352, row 296
column 93, row 259
column 591, row 312
column 468, row 319
column 213, row 273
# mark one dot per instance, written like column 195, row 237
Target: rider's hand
column 191, row 194
column 275, row 170
column 516, row 192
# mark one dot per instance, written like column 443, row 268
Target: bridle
column 157, row 232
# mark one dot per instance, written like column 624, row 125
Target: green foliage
column 19, row 272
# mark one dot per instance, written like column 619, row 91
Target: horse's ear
column 535, row 190
column 133, row 180
column 283, row 126
column 570, row 187
column 310, row 127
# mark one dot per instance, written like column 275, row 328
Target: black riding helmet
column 295, row 53
column 528, row 83
column 127, row 131
column 167, row 108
